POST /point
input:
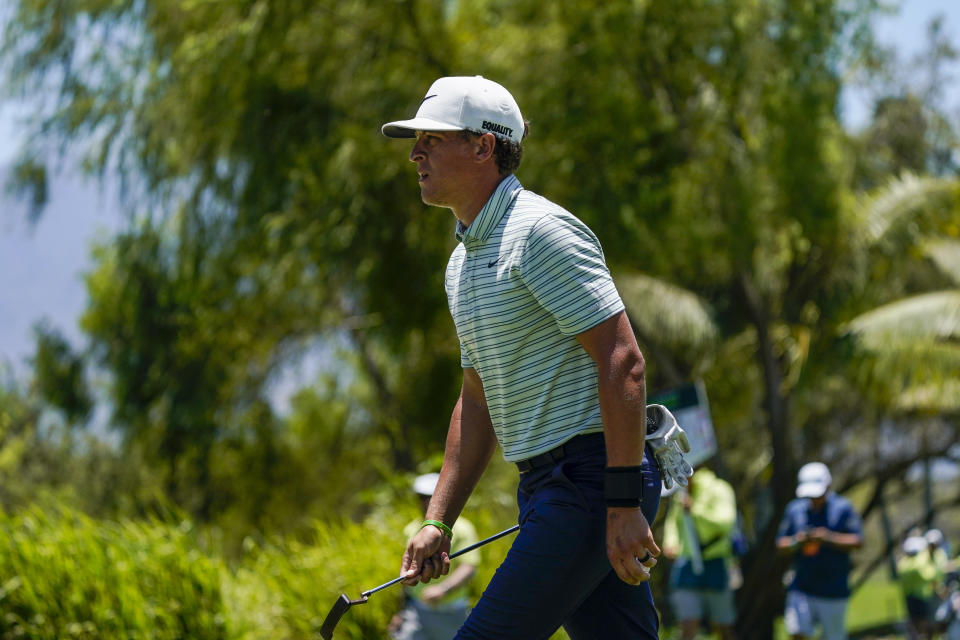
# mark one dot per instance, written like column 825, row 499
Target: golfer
column 551, row 371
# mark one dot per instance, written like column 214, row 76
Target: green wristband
column 447, row 531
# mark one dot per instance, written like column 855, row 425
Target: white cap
column 425, row 484
column 914, row 545
column 934, row 536
column 813, row 480
column 463, row 102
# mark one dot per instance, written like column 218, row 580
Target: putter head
column 336, row 612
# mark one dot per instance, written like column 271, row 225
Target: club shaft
column 459, row 552
column 496, row 536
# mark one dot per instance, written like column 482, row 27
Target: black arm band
column 623, row 486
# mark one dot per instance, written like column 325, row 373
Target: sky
column 42, row 266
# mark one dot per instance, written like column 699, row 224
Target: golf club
column 344, row 603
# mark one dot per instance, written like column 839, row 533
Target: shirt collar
column 491, row 213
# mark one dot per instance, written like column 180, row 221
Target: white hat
column 463, row 102
column 813, row 480
column 425, row 484
column 914, row 545
column 934, row 536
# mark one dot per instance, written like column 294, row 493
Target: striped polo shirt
column 526, row 278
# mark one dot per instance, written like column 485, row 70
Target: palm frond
column 946, row 255
column 941, row 397
column 931, row 316
column 902, row 199
column 918, row 375
column 673, row 316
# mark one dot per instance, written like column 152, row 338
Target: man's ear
column 484, row 146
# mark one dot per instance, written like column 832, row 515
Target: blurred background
column 225, row 350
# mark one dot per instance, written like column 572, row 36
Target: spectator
column 917, row 575
column 435, row 611
column 698, row 535
column 939, row 551
column 819, row 530
column 937, row 548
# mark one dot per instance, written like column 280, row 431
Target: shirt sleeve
column 851, row 521
column 787, row 527
column 564, row 269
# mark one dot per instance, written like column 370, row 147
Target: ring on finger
column 645, row 557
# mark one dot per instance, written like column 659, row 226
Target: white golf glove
column 669, row 442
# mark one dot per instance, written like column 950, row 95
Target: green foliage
column 28, row 180
column 68, row 576
column 59, row 375
column 285, row 588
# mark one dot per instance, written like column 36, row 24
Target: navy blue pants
column 557, row 572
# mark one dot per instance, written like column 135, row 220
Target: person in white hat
column 551, row 371
column 819, row 530
column 436, row 611
column 918, row 576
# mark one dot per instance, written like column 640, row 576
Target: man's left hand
column 631, row 548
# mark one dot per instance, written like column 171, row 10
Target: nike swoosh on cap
column 428, row 97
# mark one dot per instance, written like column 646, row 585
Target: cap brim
column 408, row 128
column 811, row 490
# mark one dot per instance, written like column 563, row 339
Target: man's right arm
column 471, row 442
column 786, row 545
column 787, row 538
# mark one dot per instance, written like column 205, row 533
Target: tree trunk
column 761, row 597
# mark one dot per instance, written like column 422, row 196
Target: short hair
column 507, row 153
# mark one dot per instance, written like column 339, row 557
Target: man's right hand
column 427, row 556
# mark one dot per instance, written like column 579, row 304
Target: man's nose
column 416, row 154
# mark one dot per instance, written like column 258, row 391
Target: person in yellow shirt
column 917, row 574
column 697, row 535
column 435, row 611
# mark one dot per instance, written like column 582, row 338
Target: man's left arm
column 623, row 400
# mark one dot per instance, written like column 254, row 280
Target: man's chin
column 428, row 199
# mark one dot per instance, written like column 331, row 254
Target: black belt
column 583, row 442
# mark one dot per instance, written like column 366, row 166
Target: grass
column 876, row 603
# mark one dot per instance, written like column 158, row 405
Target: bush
column 68, row 576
